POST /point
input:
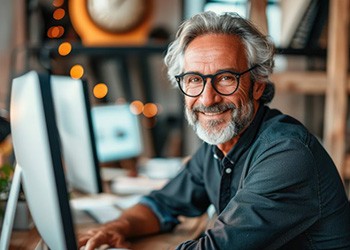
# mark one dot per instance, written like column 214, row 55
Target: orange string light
column 58, row 14
column 150, row 110
column 77, row 71
column 136, row 107
column 64, row 49
column 100, row 90
column 57, row 3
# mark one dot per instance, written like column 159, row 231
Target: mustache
column 214, row 108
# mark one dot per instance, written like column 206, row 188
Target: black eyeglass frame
column 212, row 76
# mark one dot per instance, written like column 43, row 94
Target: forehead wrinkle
column 214, row 52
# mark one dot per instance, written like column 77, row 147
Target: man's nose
column 209, row 95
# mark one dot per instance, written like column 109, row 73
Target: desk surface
column 190, row 228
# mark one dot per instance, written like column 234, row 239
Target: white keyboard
column 101, row 207
column 103, row 214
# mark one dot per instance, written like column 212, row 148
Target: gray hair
column 259, row 49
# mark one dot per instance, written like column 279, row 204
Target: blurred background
column 118, row 48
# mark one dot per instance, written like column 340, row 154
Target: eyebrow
column 218, row 71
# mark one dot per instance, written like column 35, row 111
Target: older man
column 271, row 182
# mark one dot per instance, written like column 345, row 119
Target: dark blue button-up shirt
column 276, row 189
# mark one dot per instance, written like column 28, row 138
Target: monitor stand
column 10, row 209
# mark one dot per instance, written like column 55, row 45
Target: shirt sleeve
column 277, row 200
column 184, row 195
column 167, row 221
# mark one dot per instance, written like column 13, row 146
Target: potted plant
column 6, row 171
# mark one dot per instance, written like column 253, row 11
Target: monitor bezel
column 45, row 112
column 80, row 159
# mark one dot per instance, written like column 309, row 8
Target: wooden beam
column 336, row 94
column 300, row 82
column 303, row 82
column 257, row 15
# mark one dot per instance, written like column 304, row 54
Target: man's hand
column 102, row 236
column 136, row 221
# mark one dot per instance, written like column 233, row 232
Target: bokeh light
column 100, row 90
column 136, row 107
column 58, row 14
column 57, row 3
column 77, row 71
column 64, row 49
column 150, row 110
column 55, row 31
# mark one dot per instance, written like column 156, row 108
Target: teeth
column 212, row 114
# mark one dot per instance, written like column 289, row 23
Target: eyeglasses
column 225, row 82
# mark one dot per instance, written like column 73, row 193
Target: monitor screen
column 73, row 116
column 117, row 132
column 37, row 151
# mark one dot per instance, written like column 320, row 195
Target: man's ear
column 258, row 90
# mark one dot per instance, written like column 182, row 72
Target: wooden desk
column 26, row 239
column 190, row 228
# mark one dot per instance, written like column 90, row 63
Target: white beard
column 210, row 132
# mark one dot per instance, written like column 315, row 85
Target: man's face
column 218, row 119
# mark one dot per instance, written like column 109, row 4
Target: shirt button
column 228, row 170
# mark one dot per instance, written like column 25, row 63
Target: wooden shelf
column 302, row 82
column 337, row 74
column 334, row 83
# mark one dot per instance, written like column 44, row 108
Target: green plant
column 6, row 172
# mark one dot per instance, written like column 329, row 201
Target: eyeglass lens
column 225, row 83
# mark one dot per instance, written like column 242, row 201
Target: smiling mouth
column 213, row 113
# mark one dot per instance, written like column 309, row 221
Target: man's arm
column 136, row 221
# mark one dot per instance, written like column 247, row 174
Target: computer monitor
column 38, row 157
column 117, row 132
column 73, row 116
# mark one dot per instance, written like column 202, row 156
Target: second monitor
column 73, row 116
column 117, row 132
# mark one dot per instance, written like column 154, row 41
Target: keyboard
column 103, row 214
column 101, row 207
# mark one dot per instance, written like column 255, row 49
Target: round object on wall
column 111, row 22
